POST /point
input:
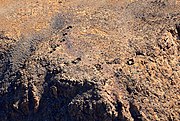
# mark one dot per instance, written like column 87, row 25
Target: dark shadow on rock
column 135, row 112
column 178, row 31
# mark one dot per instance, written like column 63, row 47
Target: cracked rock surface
column 80, row 60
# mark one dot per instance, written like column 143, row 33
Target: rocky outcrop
column 107, row 60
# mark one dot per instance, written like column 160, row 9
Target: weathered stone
column 80, row 60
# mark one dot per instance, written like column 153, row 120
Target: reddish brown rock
column 79, row 60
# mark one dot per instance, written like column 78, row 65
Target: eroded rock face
column 107, row 60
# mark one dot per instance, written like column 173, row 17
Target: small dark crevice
column 129, row 89
column 135, row 112
column 30, row 98
column 178, row 31
column 160, row 46
column 119, row 109
column 173, row 32
column 170, row 118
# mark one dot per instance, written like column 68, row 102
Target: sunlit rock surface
column 89, row 60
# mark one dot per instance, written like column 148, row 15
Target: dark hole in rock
column 77, row 60
column 69, row 27
column 63, row 40
column 64, row 34
column 130, row 62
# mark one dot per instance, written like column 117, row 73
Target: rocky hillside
column 89, row 60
